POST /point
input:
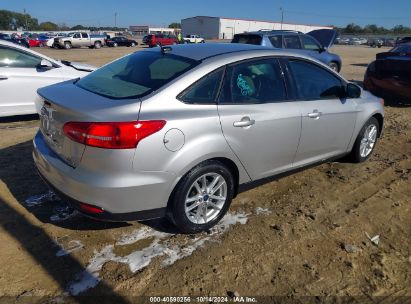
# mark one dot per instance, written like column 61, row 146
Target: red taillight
column 112, row 135
column 90, row 208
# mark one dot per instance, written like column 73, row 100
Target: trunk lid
column 65, row 102
column 326, row 37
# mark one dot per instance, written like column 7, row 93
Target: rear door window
column 84, row 35
column 136, row 75
column 276, row 41
column 292, row 42
column 252, row 82
column 247, row 39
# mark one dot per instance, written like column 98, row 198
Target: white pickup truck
column 77, row 39
column 193, row 39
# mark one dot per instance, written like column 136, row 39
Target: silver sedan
column 179, row 131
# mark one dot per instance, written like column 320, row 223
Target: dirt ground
column 304, row 235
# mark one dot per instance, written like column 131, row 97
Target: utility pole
column 25, row 18
column 115, row 19
column 282, row 17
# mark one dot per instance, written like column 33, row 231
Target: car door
column 76, row 40
column 84, row 40
column 260, row 124
column 20, row 77
column 328, row 120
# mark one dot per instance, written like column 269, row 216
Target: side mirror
column 321, row 49
column 44, row 63
column 353, row 90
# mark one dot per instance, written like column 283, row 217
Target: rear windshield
column 247, row 39
column 136, row 75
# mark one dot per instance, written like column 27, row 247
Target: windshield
column 136, row 75
column 247, row 39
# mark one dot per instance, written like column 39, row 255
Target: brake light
column 90, row 208
column 112, row 135
column 382, row 101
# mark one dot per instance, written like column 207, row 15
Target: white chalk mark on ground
column 72, row 246
column 263, row 211
column 39, row 199
column 161, row 246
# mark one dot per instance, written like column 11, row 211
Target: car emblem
column 46, row 119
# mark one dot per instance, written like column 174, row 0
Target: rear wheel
column 158, row 44
column 97, row 45
column 366, row 141
column 202, row 197
column 333, row 65
column 115, row 44
column 133, row 44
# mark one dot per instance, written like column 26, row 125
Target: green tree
column 48, row 26
column 175, row 25
column 78, row 27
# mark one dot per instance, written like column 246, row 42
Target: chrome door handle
column 244, row 122
column 314, row 114
column 2, row 77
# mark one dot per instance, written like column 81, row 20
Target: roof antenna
column 165, row 49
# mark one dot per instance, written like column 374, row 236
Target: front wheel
column 67, row 45
column 202, row 197
column 366, row 141
column 133, row 44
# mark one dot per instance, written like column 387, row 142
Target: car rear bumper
column 122, row 197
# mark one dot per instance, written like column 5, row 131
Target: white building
column 225, row 28
column 145, row 29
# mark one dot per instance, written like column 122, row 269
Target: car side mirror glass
column 353, row 90
column 44, row 63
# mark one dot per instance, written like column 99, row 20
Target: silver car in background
column 180, row 130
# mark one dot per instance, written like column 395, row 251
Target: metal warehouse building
column 225, row 28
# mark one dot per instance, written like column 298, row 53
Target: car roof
column 271, row 32
column 206, row 50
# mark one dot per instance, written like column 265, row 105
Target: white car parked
column 23, row 71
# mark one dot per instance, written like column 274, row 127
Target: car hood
column 324, row 36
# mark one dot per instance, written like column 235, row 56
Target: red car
column 34, row 42
column 389, row 75
column 160, row 40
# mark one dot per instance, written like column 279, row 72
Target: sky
column 162, row 13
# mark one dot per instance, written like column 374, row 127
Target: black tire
column 333, row 65
column 97, row 45
column 355, row 155
column 115, row 44
column 176, row 206
column 67, row 45
column 158, row 44
column 133, row 44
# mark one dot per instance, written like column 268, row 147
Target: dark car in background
column 159, row 40
column 21, row 41
column 403, row 40
column 314, row 44
column 121, row 41
column 389, row 75
column 375, row 42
